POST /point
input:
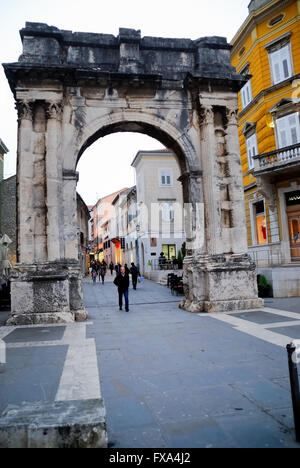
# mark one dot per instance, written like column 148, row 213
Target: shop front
column 293, row 215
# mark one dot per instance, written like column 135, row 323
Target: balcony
column 282, row 161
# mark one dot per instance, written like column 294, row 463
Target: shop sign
column 292, row 198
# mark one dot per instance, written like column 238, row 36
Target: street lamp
column 137, row 228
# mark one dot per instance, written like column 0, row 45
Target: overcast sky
column 105, row 166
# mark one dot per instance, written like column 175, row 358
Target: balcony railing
column 277, row 158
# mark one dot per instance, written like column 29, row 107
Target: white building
column 159, row 225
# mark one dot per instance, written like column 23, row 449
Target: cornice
column 254, row 19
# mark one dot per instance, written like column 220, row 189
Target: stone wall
column 9, row 214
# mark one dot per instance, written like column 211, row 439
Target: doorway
column 294, row 231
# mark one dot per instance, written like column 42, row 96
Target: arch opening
column 138, row 127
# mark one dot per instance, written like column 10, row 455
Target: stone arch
column 139, row 122
column 71, row 89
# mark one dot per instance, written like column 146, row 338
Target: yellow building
column 267, row 50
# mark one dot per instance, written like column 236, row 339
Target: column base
column 43, row 319
column 221, row 306
column 48, row 293
column 220, row 284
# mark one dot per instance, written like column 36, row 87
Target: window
column 259, row 228
column 169, row 251
column 132, row 212
column 276, row 20
column 167, row 212
column 251, row 149
column 165, row 178
column 246, row 94
column 281, row 64
column 288, row 130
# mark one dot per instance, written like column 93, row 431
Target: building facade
column 266, row 49
column 103, row 241
column 83, row 218
column 159, row 203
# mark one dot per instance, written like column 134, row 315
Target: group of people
column 122, row 278
column 98, row 269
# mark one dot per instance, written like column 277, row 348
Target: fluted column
column 70, row 179
column 53, row 180
column 24, row 186
column 236, row 190
column 210, row 185
column 39, row 184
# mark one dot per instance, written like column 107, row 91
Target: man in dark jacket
column 122, row 282
column 134, row 274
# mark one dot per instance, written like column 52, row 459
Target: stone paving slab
column 168, row 378
column 50, row 388
column 184, row 380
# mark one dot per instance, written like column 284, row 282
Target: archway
column 72, row 88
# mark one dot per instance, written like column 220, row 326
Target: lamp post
column 138, row 228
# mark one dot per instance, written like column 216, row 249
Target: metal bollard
column 294, row 380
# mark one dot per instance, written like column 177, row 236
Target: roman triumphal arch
column 72, row 88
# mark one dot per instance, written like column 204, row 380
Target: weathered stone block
column 63, row 424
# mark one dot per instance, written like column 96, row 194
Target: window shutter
column 285, row 62
column 251, row 150
column 294, row 129
column 282, row 132
column 246, row 94
column 275, row 61
column 288, row 130
column 281, row 64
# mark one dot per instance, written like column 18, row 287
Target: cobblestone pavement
column 169, row 378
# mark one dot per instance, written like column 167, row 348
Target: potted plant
column 180, row 260
column 264, row 288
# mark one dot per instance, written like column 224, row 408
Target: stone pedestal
column 46, row 293
column 220, row 284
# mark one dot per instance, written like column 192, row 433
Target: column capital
column 207, row 115
column 25, row 109
column 232, row 115
column 54, row 110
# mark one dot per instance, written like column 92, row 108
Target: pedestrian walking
column 94, row 275
column 134, row 275
column 127, row 271
column 122, row 282
column 111, row 267
column 102, row 272
column 118, row 268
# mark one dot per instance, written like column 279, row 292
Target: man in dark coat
column 122, row 282
column 134, row 274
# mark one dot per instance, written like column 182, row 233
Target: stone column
column 236, row 190
column 70, row 226
column 39, row 184
column 210, row 185
column 221, row 277
column 53, row 180
column 24, row 183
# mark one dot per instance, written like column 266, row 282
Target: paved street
column 169, row 378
